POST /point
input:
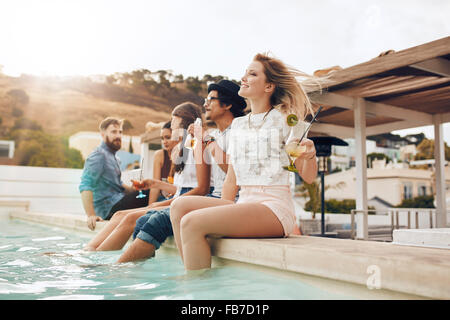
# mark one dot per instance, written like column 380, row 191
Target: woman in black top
column 162, row 162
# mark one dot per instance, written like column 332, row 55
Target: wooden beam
column 334, row 130
column 389, row 62
column 392, row 126
column 437, row 66
column 445, row 117
column 374, row 108
column 398, row 113
column 333, row 99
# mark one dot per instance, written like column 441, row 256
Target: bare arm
column 203, row 171
column 128, row 189
column 219, row 156
column 230, row 189
column 87, row 198
column 158, row 185
column 157, row 166
column 306, row 163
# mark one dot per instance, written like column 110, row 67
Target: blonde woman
column 265, row 207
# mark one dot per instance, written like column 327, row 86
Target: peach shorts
column 276, row 198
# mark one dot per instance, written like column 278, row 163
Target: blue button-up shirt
column 102, row 176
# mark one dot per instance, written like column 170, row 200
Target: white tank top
column 257, row 151
column 188, row 177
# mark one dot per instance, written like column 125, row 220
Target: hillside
column 65, row 106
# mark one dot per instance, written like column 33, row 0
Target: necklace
column 264, row 119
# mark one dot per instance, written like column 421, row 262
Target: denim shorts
column 158, row 228
column 154, row 227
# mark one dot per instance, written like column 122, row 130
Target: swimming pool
column 43, row 262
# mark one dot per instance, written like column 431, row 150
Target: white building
column 387, row 184
column 87, row 141
column 343, row 157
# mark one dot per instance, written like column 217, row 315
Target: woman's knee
column 130, row 218
column 118, row 216
column 191, row 225
column 177, row 209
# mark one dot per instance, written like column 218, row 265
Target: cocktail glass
column 298, row 131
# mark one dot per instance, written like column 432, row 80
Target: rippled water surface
column 40, row 262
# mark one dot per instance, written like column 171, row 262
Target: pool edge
column 411, row 270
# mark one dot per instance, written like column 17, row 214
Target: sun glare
column 50, row 38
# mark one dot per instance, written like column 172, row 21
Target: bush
column 417, row 202
column 39, row 149
column 339, row 206
column 24, row 123
column 336, row 206
column 17, row 112
column 18, row 97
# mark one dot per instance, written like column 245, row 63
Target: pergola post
column 362, row 230
column 441, row 210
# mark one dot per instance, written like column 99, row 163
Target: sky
column 198, row 37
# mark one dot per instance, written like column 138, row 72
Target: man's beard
column 115, row 144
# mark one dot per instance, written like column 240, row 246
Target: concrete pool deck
column 412, row 270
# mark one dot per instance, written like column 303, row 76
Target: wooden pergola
column 399, row 90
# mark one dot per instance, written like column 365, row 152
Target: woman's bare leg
column 104, row 233
column 108, row 228
column 234, row 220
column 122, row 232
column 138, row 250
column 186, row 204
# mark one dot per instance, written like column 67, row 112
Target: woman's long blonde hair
column 289, row 95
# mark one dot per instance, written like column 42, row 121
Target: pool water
column 43, row 262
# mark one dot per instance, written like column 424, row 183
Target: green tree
column 18, row 97
column 17, row 112
column 27, row 150
column 377, row 156
column 179, row 78
column 425, row 150
column 37, row 148
column 126, row 127
column 130, row 148
column 194, row 84
column 312, row 191
column 25, row 123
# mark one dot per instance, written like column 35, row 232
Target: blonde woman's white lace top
column 256, row 149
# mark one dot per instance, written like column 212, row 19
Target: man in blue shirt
column 102, row 191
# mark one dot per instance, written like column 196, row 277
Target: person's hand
column 150, row 183
column 310, row 151
column 190, row 129
column 144, row 184
column 152, row 205
column 91, row 221
column 137, row 185
column 197, row 131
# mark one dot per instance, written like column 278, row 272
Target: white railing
column 400, row 218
